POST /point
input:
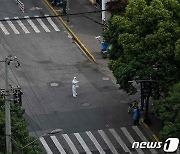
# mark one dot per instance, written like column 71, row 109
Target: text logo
column 148, row 145
column 171, row 145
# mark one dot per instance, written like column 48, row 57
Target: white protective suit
column 74, row 86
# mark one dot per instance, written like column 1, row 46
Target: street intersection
column 96, row 121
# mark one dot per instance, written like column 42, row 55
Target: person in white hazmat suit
column 74, row 86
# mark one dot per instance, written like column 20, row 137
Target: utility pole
column 7, row 61
column 103, row 7
column 7, row 109
column 64, row 6
column 67, row 9
column 146, row 90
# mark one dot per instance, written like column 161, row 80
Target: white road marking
column 12, row 25
column 143, row 138
column 32, row 24
column 45, row 145
column 22, row 25
column 119, row 140
column 129, row 137
column 83, row 144
column 4, row 29
column 58, row 145
column 70, row 143
column 97, row 145
column 52, row 23
column 108, row 142
column 42, row 24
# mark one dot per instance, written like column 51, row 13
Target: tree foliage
column 116, row 6
column 20, row 134
column 168, row 111
column 146, row 43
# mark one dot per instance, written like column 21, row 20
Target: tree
column 116, row 6
column 145, row 44
column 168, row 110
column 20, row 134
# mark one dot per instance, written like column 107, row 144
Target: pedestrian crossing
column 107, row 141
column 28, row 25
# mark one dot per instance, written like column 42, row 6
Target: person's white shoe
column 74, row 95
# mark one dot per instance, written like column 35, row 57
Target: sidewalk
column 86, row 28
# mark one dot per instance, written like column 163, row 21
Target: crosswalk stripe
column 46, row 147
column 22, row 25
column 129, row 137
column 12, row 25
column 42, row 24
column 4, row 29
column 70, row 143
column 81, row 141
column 119, row 140
column 97, row 145
column 32, row 24
column 99, row 148
column 58, row 145
column 143, row 138
column 108, row 142
column 52, row 23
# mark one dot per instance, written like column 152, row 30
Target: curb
column 72, row 33
column 148, row 127
column 155, row 137
column 145, row 125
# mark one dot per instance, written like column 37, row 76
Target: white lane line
column 97, row 145
column 12, row 26
column 83, row 144
column 120, row 141
column 70, row 143
column 52, row 23
column 45, row 145
column 108, row 142
column 4, row 29
column 42, row 24
column 129, row 137
column 32, row 24
column 143, row 138
column 22, row 25
column 58, row 145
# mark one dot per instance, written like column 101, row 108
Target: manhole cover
column 86, row 104
column 105, row 78
column 54, row 84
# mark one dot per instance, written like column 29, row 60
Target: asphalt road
column 49, row 60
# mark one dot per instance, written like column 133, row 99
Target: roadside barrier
column 21, row 5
